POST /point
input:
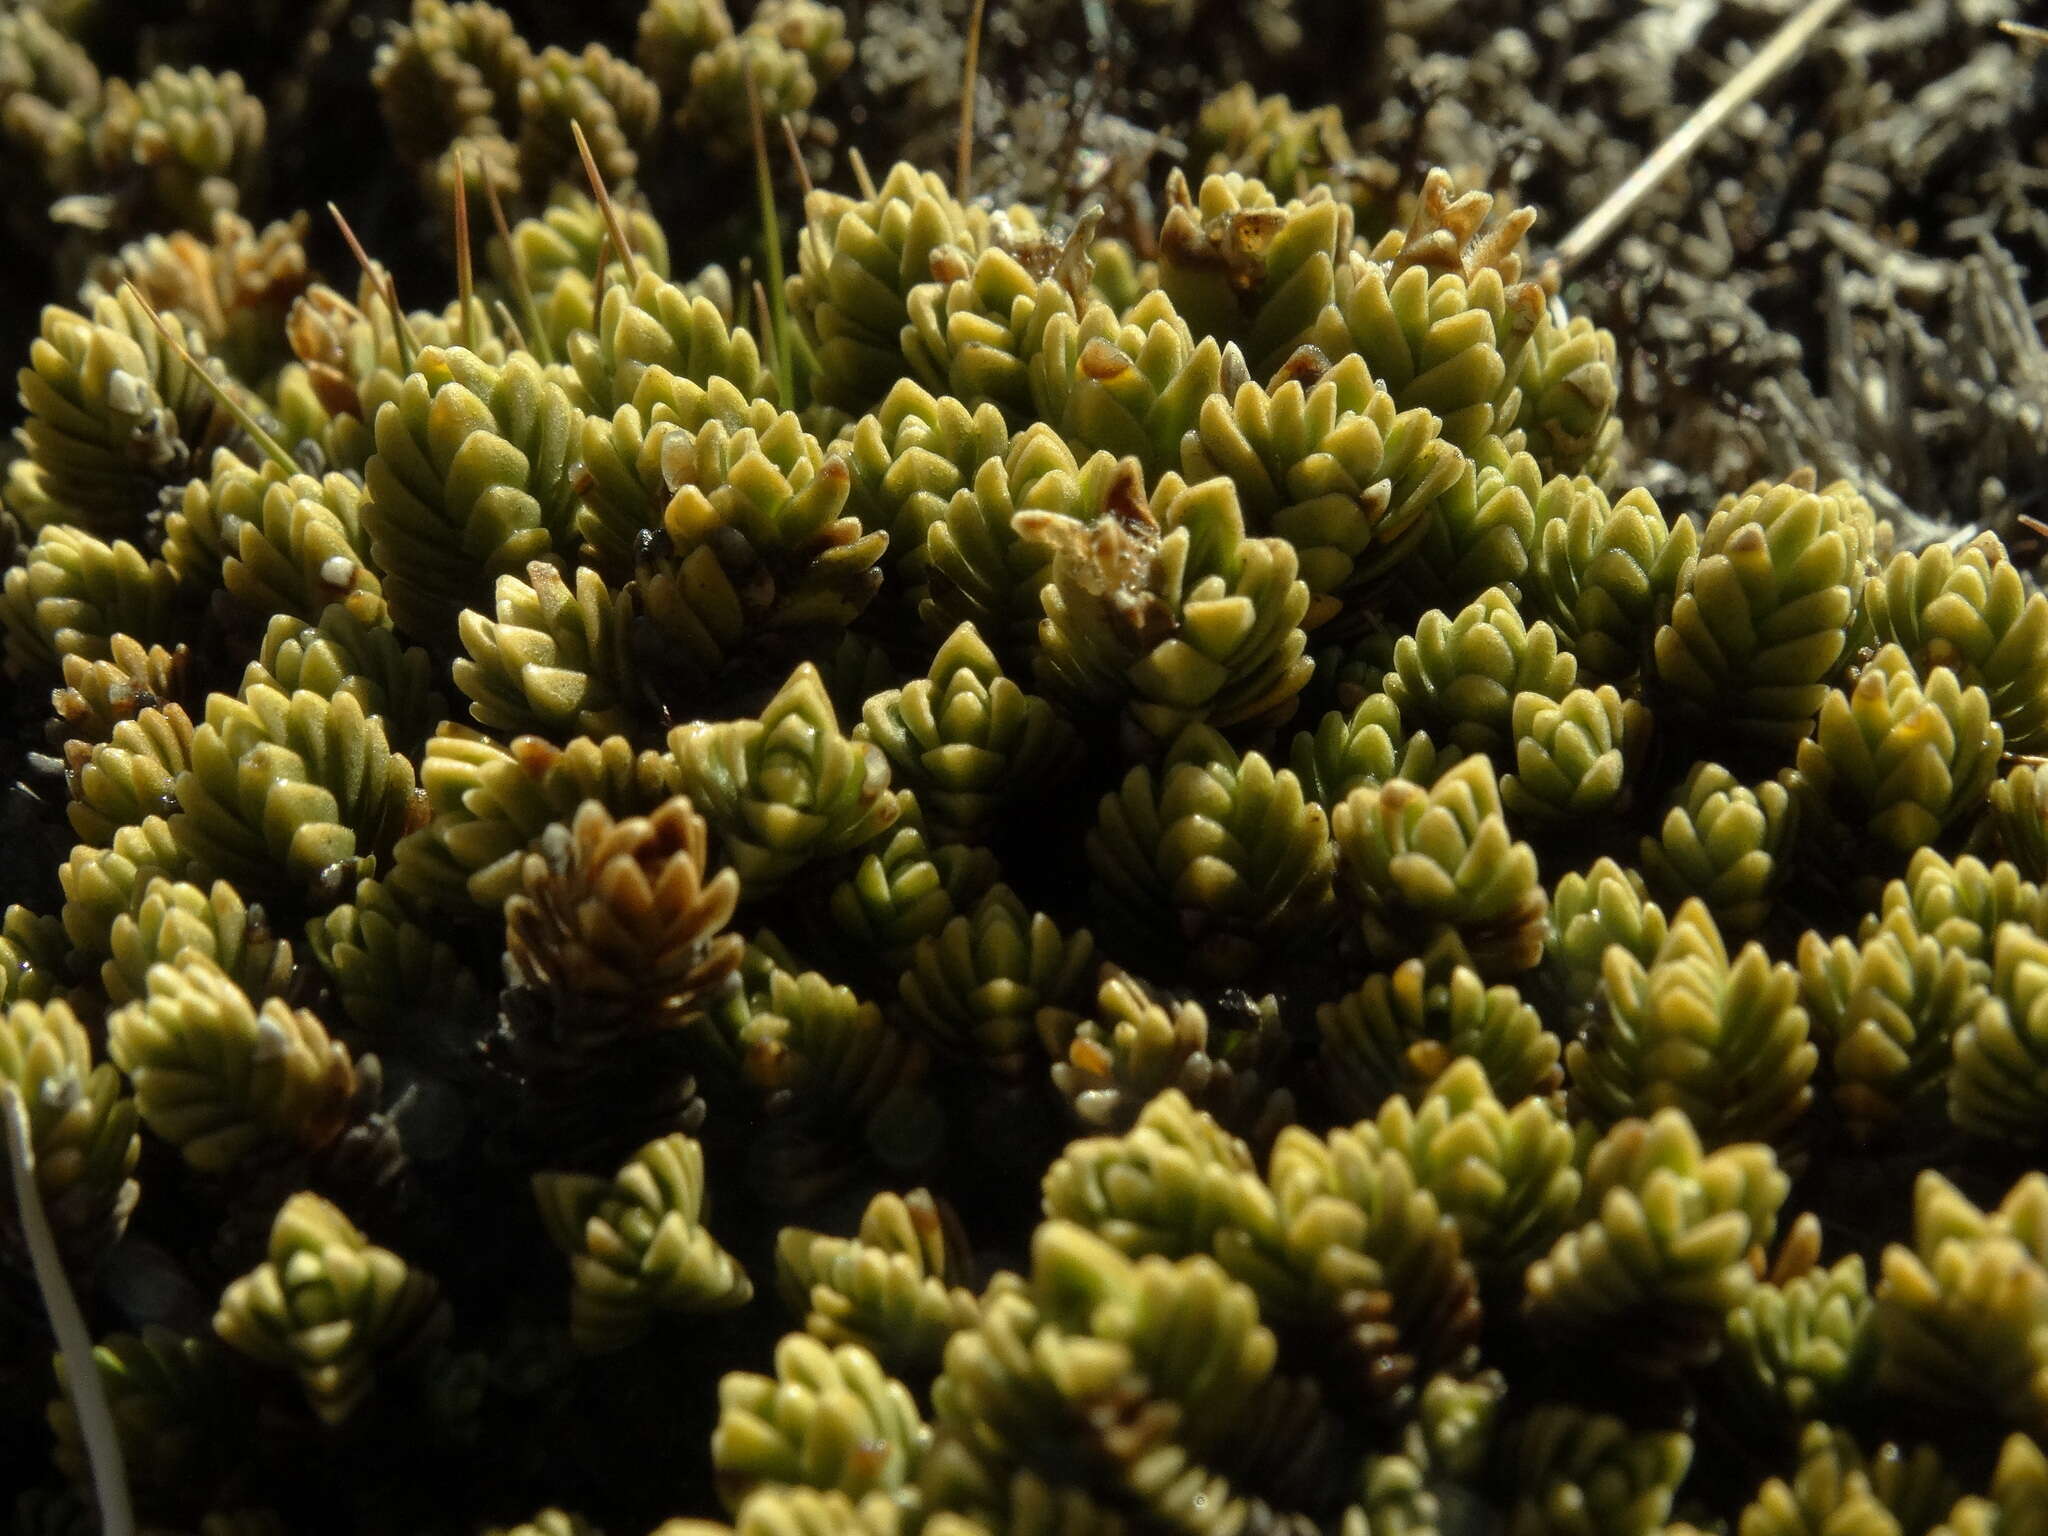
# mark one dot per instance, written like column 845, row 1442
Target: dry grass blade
column 244, row 418
column 605, row 206
column 970, row 74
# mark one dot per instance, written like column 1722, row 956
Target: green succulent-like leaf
column 910, row 457
column 329, row 1306
column 1460, row 676
column 1363, row 748
column 1132, row 386
column 1214, row 858
column 1960, row 1312
column 655, row 322
column 387, row 968
column 1605, row 573
column 173, row 917
column 173, row 1402
column 1662, row 1257
column 555, row 661
column 616, row 106
column 130, row 777
column 1436, row 869
column 1995, row 1087
column 1724, row 1039
column 220, row 1078
column 905, row 892
column 1969, row 610
column 983, row 984
column 1326, row 462
column 1400, row 1032
column 99, row 695
column 81, row 1127
column 787, row 789
column 1959, row 904
column 1805, row 1347
column 340, row 654
column 1887, row 1013
column 2019, row 1492
column 1899, row 758
column 1763, row 620
column 73, row 594
column 1726, row 843
column 2017, row 816
column 1573, row 755
column 975, row 332
column 1570, row 383
column 1482, row 536
column 726, row 77
column 288, row 788
column 637, row 1244
column 829, row 1418
column 278, row 543
column 1590, row 1474
column 897, row 1288
column 33, row 950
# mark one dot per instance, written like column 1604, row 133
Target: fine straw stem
column 771, row 242
column 604, row 204
column 970, row 75
column 464, row 283
column 81, row 1374
column 520, row 286
column 796, row 155
column 861, row 178
column 1784, row 46
column 244, row 418
column 381, row 282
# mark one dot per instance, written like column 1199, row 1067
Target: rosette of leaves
column 172, row 1403
column 1461, row 677
column 637, row 1244
column 1178, row 1184
column 1289, row 149
column 1960, row 1313
column 1994, row 1088
column 1139, row 1042
column 899, row 1288
column 290, row 791
column 556, row 661
column 1573, row 755
column 49, row 88
column 903, row 892
column 1507, row 1176
column 968, row 740
column 1969, row 610
column 1663, row 1253
column 674, row 32
column 1482, row 535
column 979, row 567
column 353, row 357
column 389, row 971
column 1132, row 386
column 754, row 551
column 1244, row 267
column 452, row 71
column 653, row 322
column 331, row 1307
column 2019, row 1489
column 99, row 695
column 2016, row 814
column 617, row 107
column 832, row 1075
column 1213, row 858
column 1328, row 464
column 278, row 543
column 1805, row 1346
column 487, row 804
column 910, row 456
column 983, row 984
column 1355, row 1219
column 223, row 1079
column 787, row 789
column 174, row 917
column 81, row 1128
column 33, row 951
column 1722, row 1039
column 1400, row 1031
column 233, row 285
column 1576, row 1473
column 815, row 30
column 829, row 1418
column 555, row 255
column 857, row 262
column 341, row 654
column 1604, row 573
column 1363, row 749
column 124, row 781
column 1441, row 313
column 1760, row 625
column 1166, row 609
column 729, row 76
column 1835, row 1489
column 976, row 331
column 101, row 885
column 175, row 147
column 1570, row 383
column 72, row 594
column 1176, row 1363
column 473, row 478
column 1900, row 758
column 1959, row 904
column 1435, row 870
column 1886, row 1012
column 1726, row 843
